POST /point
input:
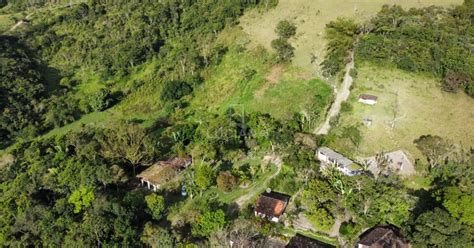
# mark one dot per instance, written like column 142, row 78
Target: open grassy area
column 417, row 105
column 311, row 17
column 247, row 81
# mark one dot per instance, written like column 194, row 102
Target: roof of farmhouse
column 164, row 171
column 343, row 161
column 368, row 97
column 272, row 204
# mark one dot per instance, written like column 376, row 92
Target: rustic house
column 163, row 172
column 368, row 99
column 271, row 205
column 381, row 237
column 300, row 241
column 343, row 164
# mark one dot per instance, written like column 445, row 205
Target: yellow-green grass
column 421, row 108
column 7, row 21
column 311, row 16
column 280, row 90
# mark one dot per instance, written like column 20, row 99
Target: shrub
column 226, row 181
column 284, row 50
column 174, row 90
column 285, row 29
column 101, row 100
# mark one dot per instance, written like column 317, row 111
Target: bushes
column 226, row 181
column 285, row 29
column 101, row 100
column 285, row 51
column 341, row 35
column 174, row 90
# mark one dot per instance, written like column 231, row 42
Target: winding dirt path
column 273, row 159
column 21, row 22
column 341, row 96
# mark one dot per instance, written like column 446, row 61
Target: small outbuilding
column 163, row 172
column 368, row 99
column 300, row 241
column 271, row 205
column 381, row 237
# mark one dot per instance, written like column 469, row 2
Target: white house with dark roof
column 343, row 164
column 368, row 99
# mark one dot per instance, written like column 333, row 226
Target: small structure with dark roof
column 163, row 172
column 381, row 237
column 271, row 205
column 300, row 241
column 368, row 99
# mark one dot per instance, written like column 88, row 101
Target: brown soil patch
column 272, row 79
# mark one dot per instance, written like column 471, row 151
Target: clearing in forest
column 311, row 17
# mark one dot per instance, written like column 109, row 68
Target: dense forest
column 80, row 189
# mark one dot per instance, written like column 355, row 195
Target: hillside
column 311, row 18
column 194, row 124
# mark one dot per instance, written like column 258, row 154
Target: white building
column 368, row 99
column 343, row 164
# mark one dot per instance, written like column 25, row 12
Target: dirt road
column 272, row 159
column 341, row 95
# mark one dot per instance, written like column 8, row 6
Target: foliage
column 208, row 223
column 226, row 181
column 128, row 143
column 285, row 29
column 21, row 88
column 414, row 40
column 156, row 205
column 459, row 204
column 204, row 176
column 437, row 229
column 435, row 149
column 341, row 35
column 101, row 100
column 157, row 237
column 285, row 51
column 81, row 198
column 174, row 90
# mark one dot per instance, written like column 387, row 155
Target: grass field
column 311, row 16
column 418, row 105
column 247, row 81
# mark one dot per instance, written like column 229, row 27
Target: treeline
column 110, row 39
column 432, row 40
column 22, row 89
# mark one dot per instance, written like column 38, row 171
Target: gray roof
column 341, row 160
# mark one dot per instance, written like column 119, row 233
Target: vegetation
column 415, row 41
column 153, row 81
column 285, row 31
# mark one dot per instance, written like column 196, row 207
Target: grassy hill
column 311, row 18
column 416, row 104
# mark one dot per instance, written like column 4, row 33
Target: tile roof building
column 271, row 205
column 163, row 172
column 382, row 237
column 300, row 241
